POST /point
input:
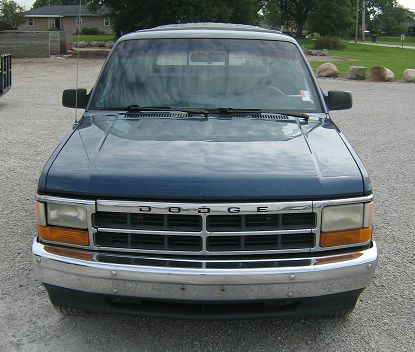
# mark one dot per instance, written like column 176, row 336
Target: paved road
column 387, row 45
column 381, row 127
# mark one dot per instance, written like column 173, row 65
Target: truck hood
column 211, row 159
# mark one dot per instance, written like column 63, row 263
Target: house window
column 107, row 22
column 79, row 21
column 30, row 21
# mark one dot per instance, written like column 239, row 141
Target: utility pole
column 357, row 22
column 364, row 20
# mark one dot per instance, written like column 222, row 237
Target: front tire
column 344, row 313
column 69, row 311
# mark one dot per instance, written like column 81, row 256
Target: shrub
column 5, row 26
column 327, row 42
column 91, row 31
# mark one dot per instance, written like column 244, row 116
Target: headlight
column 62, row 223
column 342, row 217
column 346, row 224
column 65, row 215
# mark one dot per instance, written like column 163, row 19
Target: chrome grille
column 261, row 222
column 151, row 242
column 142, row 221
column 196, row 229
column 260, row 242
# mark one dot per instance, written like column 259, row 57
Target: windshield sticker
column 305, row 95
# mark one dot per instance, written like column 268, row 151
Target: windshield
column 206, row 73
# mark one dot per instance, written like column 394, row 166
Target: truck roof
column 208, row 30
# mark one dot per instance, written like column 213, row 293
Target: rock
column 79, row 44
column 327, row 70
column 93, row 44
column 409, row 75
column 389, row 75
column 101, row 44
column 381, row 74
column 109, row 45
column 315, row 52
column 357, row 72
column 324, row 52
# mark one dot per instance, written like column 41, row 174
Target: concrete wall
column 68, row 24
column 57, row 42
column 25, row 44
column 69, row 41
column 33, row 44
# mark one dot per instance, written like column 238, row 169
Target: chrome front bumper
column 323, row 276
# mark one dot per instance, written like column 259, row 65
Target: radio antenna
column 77, row 59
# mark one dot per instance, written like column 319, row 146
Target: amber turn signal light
column 70, row 253
column 342, row 238
column 63, row 235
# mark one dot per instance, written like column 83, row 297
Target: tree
column 41, row 3
column 272, row 15
column 331, row 17
column 297, row 11
column 131, row 15
column 390, row 21
column 11, row 14
column 387, row 16
column 73, row 2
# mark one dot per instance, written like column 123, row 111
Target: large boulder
column 381, row 74
column 327, row 70
column 409, row 75
column 357, row 72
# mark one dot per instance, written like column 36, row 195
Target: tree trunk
column 300, row 27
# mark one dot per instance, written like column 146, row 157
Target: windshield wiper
column 228, row 110
column 301, row 115
column 166, row 108
column 138, row 108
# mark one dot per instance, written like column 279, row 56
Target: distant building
column 408, row 28
column 65, row 18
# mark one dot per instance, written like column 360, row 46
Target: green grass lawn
column 396, row 59
column 96, row 38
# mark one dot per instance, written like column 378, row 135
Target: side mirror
column 337, row 100
column 72, row 98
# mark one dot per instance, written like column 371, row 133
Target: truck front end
column 205, row 180
column 205, row 260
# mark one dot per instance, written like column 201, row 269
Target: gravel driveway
column 32, row 122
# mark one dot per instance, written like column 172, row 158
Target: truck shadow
column 190, row 335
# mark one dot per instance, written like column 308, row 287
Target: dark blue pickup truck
column 206, row 179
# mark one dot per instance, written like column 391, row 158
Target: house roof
column 63, row 11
